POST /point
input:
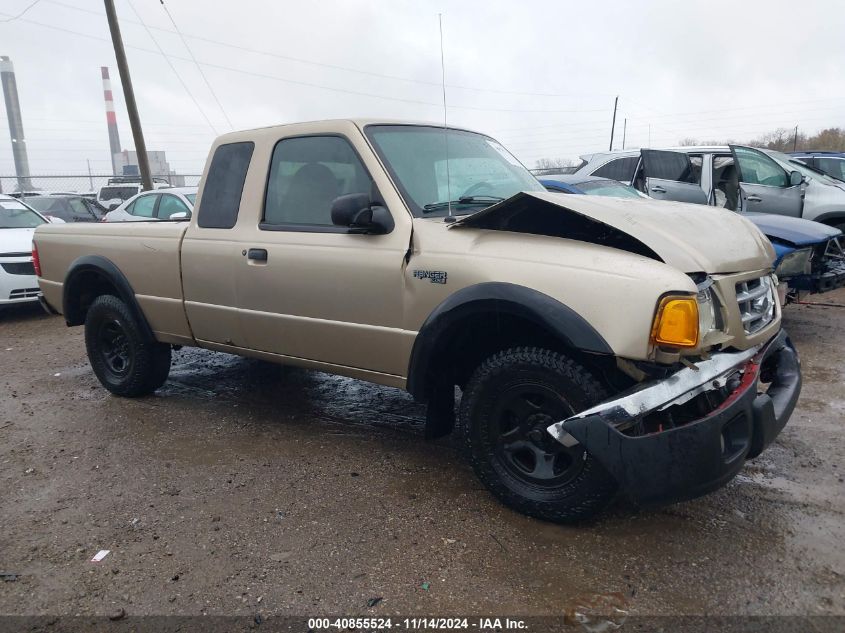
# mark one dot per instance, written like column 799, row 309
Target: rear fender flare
column 109, row 272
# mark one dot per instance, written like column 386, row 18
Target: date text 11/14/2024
column 417, row 624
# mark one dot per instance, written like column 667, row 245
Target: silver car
column 173, row 203
column 736, row 177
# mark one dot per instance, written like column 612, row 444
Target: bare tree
column 544, row 166
column 784, row 139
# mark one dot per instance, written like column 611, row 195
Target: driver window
column 306, row 175
column 758, row 169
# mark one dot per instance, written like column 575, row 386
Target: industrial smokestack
column 13, row 112
column 114, row 137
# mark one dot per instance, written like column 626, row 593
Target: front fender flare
column 498, row 298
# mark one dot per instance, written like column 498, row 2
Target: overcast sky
column 539, row 76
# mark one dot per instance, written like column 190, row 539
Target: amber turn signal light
column 676, row 322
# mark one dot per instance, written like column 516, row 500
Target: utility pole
column 795, row 139
column 129, row 97
column 90, row 179
column 13, row 113
column 613, row 125
column 624, row 131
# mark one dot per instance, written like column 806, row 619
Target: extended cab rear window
column 224, row 185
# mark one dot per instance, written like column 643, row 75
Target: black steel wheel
column 523, row 446
column 113, row 347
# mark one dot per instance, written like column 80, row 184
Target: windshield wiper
column 463, row 200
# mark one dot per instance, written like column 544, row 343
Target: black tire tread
column 599, row 488
column 152, row 359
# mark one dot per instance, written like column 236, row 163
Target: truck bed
column 147, row 253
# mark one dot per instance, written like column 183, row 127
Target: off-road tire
column 587, row 488
column 147, row 362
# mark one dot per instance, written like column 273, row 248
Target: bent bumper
column 702, row 455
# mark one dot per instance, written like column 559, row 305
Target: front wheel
column 510, row 401
column 126, row 361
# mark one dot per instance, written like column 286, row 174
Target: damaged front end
column 827, row 268
column 689, row 434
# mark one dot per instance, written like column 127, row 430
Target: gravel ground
column 244, row 488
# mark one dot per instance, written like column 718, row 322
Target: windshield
column 119, row 193
column 42, row 204
column 790, row 163
column 608, row 188
column 192, row 197
column 16, row 215
column 480, row 171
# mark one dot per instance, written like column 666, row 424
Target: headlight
column 706, row 311
column 676, row 323
column 795, row 263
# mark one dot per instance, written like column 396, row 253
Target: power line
column 310, row 84
column 21, row 14
column 344, row 68
column 199, row 68
column 173, row 68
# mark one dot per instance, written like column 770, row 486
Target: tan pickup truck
column 600, row 346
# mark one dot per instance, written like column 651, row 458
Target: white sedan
column 18, row 283
column 173, row 203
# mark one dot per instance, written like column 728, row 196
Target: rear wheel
column 126, row 362
column 510, row 401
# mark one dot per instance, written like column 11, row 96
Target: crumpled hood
column 795, row 231
column 688, row 237
column 16, row 240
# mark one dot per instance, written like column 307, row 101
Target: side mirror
column 795, row 178
column 180, row 215
column 358, row 212
column 113, row 206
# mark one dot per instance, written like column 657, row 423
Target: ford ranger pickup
column 600, row 346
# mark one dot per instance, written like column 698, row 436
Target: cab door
column 670, row 176
column 310, row 289
column 210, row 253
column 765, row 186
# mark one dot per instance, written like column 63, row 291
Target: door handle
column 754, row 199
column 257, row 254
column 658, row 189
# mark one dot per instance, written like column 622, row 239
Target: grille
column 19, row 268
column 756, row 301
column 24, row 293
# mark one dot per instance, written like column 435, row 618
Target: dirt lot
column 243, row 488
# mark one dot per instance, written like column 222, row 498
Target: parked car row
column 20, row 216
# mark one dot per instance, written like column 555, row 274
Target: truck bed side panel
column 147, row 253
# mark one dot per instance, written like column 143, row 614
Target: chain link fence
column 80, row 184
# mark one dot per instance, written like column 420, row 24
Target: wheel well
column 835, row 219
column 80, row 292
column 467, row 343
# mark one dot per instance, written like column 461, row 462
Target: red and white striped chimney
column 114, row 137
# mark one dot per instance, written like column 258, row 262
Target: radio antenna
column 445, row 132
